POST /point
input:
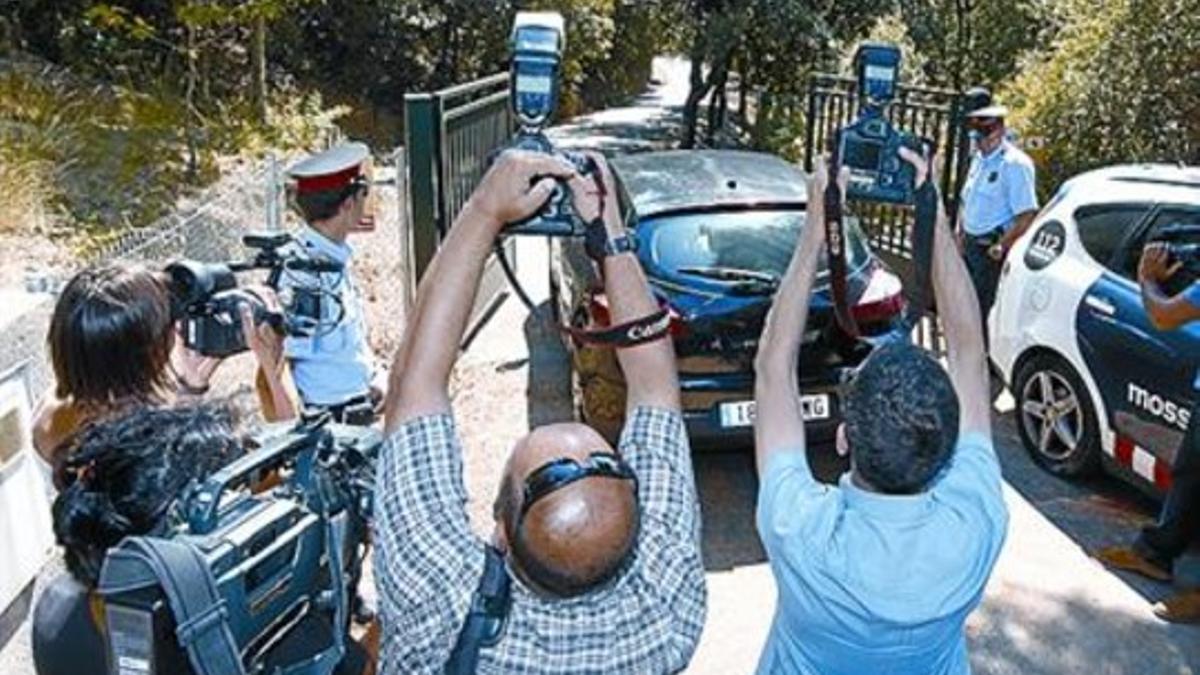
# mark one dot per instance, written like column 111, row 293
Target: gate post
column 421, row 131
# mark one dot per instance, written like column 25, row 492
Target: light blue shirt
column 872, row 583
column 334, row 364
column 1000, row 186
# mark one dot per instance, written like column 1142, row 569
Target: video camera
column 207, row 298
column 870, row 146
column 1181, row 240
column 537, row 43
column 280, row 567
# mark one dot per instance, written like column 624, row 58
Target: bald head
column 578, row 536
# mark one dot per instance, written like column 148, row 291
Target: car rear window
column 1102, row 228
column 759, row 241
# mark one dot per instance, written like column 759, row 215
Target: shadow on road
column 1094, row 512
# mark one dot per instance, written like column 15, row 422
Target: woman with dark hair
column 124, row 477
column 114, row 347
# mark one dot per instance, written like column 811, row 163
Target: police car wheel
column 1056, row 418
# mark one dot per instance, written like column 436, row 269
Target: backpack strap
column 486, row 618
column 202, row 626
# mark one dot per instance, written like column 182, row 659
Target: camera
column 282, row 565
column 870, row 145
column 1182, row 243
column 206, row 297
column 537, row 43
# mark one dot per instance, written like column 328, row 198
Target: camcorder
column 870, row 145
column 206, row 297
column 537, row 43
column 245, row 581
column 1182, row 243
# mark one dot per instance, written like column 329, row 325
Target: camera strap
column 924, row 223
column 835, row 242
column 202, row 625
column 487, row 616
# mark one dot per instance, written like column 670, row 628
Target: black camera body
column 870, row 145
column 558, row 217
column 207, row 300
column 285, row 562
column 1183, row 244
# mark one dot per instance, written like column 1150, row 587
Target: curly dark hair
column 127, row 472
column 901, row 414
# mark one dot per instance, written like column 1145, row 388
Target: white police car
column 1095, row 383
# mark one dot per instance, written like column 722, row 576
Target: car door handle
column 1101, row 305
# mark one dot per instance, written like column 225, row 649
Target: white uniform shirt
column 334, row 364
column 1000, row 186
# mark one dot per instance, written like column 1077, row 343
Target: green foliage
column 1120, row 84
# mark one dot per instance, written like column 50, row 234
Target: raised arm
column 1164, row 311
column 958, row 310
column 420, row 373
column 650, row 372
column 779, row 421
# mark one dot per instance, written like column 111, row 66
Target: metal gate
column 928, row 112
column 448, row 137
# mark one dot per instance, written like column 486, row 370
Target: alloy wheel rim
column 1051, row 415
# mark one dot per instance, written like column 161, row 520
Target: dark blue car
column 716, row 229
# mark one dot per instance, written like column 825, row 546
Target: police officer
column 333, row 367
column 1154, row 553
column 999, row 198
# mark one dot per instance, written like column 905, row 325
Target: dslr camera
column 206, row 297
column 537, row 43
column 1182, row 243
column 870, row 145
column 245, row 580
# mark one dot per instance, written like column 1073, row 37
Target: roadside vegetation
column 110, row 111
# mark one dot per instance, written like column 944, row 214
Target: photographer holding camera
column 115, row 347
column 333, row 368
column 879, row 573
column 602, row 544
column 999, row 197
column 1154, row 553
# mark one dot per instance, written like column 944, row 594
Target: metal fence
column 448, row 137
column 927, row 112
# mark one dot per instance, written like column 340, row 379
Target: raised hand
column 516, row 186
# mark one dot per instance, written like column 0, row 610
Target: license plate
column 741, row 413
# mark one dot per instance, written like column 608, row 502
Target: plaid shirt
column 428, row 563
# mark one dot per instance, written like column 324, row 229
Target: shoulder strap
column 835, row 237
column 486, row 618
column 200, row 618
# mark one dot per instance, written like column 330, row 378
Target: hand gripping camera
column 870, row 145
column 1181, row 240
column 245, row 581
column 206, row 296
column 537, row 43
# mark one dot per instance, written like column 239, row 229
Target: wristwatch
column 599, row 245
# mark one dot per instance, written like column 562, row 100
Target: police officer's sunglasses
column 559, row 473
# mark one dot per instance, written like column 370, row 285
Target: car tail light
column 601, row 316
column 882, row 300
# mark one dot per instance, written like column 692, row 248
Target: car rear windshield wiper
column 743, row 281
